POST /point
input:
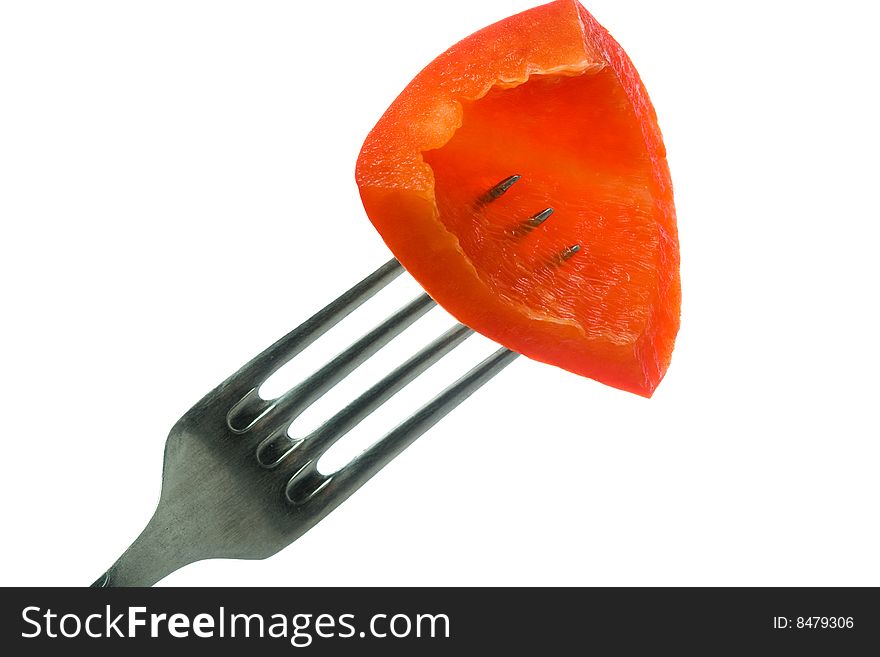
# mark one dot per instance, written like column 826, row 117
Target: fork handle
column 154, row 554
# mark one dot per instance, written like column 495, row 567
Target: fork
column 236, row 485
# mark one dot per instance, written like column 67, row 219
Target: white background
column 177, row 190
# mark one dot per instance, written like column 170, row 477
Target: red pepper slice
column 547, row 94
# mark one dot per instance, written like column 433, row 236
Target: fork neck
column 154, row 555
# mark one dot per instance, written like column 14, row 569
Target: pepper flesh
column 547, row 94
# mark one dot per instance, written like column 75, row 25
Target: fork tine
column 339, row 485
column 260, row 368
column 255, row 414
column 276, row 447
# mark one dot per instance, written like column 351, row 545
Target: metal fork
column 236, row 485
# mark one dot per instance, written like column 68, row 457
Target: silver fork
column 236, row 485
